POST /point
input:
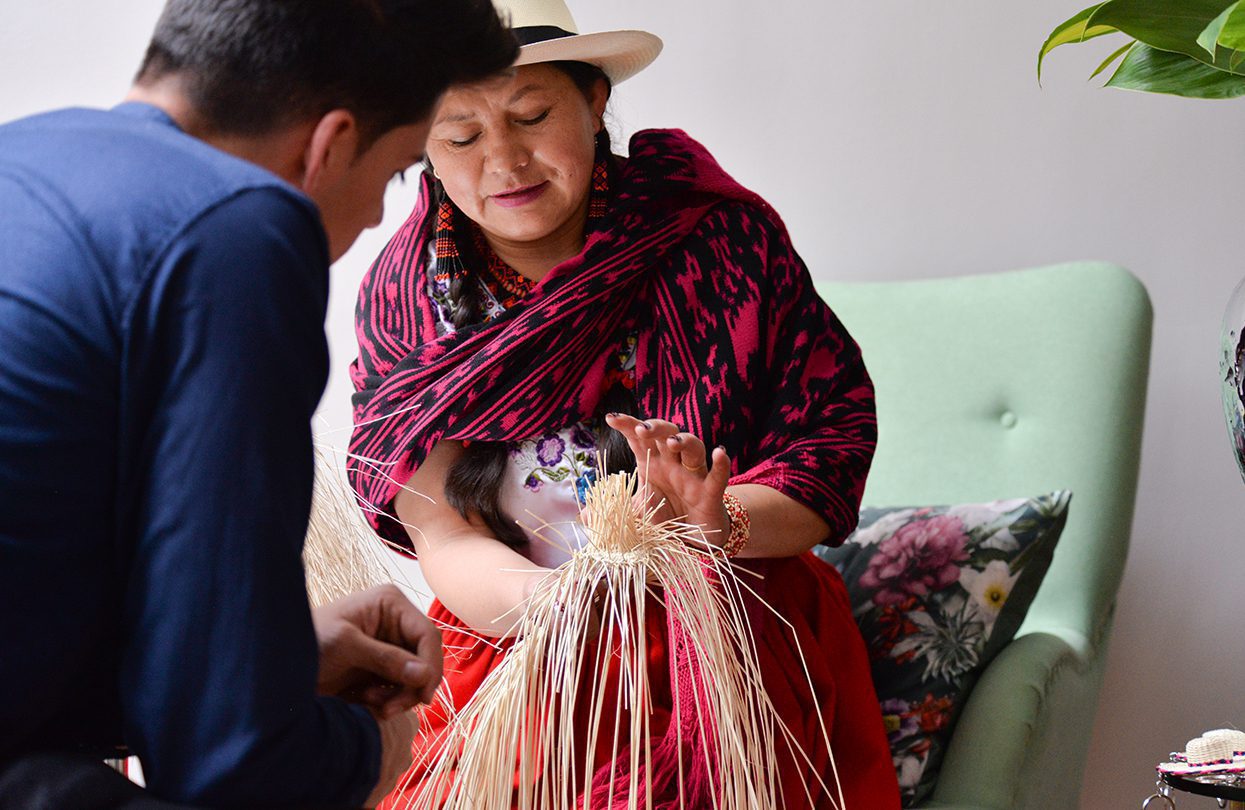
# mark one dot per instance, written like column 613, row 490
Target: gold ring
column 697, row 468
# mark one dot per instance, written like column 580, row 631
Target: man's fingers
column 378, row 649
column 409, row 632
column 392, row 663
column 398, row 665
column 402, row 701
column 384, row 701
column 378, row 694
column 396, row 706
column 421, row 636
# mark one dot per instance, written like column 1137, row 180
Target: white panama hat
column 548, row 33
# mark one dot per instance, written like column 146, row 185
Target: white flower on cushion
column 1003, row 540
column 949, row 637
column 883, row 528
column 990, row 587
column 975, row 514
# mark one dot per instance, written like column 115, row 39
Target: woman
column 543, row 296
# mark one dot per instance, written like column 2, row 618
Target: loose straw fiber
column 341, row 554
column 543, row 704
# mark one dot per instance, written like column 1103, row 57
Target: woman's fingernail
column 647, row 426
column 413, row 670
column 676, row 439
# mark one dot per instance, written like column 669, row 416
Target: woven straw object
column 1234, row 737
column 1219, row 751
column 341, row 553
column 543, row 704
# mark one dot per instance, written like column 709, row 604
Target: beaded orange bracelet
column 741, row 525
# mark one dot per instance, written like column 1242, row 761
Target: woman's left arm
column 675, row 467
column 811, row 428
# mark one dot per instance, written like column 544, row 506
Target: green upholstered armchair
column 1010, row 385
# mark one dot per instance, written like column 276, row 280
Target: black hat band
column 531, row 34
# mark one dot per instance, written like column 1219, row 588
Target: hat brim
column 619, row 54
column 1235, row 765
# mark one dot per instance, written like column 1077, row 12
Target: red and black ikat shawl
column 734, row 343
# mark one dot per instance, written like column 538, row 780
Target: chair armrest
column 1005, row 745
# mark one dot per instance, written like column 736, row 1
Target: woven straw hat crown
column 548, row 33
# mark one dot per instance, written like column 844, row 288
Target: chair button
column 1008, row 420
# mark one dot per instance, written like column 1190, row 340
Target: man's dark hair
column 251, row 66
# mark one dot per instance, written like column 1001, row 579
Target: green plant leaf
column 1229, row 32
column 1233, row 33
column 1168, row 25
column 1209, row 38
column 1151, row 70
column 1106, row 63
column 1077, row 29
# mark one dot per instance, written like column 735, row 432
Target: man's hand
column 378, row 650
column 396, row 735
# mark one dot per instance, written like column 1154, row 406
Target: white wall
column 908, row 140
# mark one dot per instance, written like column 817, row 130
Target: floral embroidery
column 443, row 304
column 568, row 455
column 583, row 483
column 582, row 437
column 549, row 450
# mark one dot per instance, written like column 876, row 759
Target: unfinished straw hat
column 726, row 730
column 548, row 33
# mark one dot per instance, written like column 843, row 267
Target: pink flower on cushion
column 920, row 558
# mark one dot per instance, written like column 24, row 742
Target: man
column 163, row 285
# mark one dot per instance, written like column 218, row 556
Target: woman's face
column 515, row 153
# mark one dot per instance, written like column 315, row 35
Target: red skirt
column 808, row 594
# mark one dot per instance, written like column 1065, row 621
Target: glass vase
column 1232, row 372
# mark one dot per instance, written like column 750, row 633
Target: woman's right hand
column 673, row 466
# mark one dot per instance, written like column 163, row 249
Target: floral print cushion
column 937, row 592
